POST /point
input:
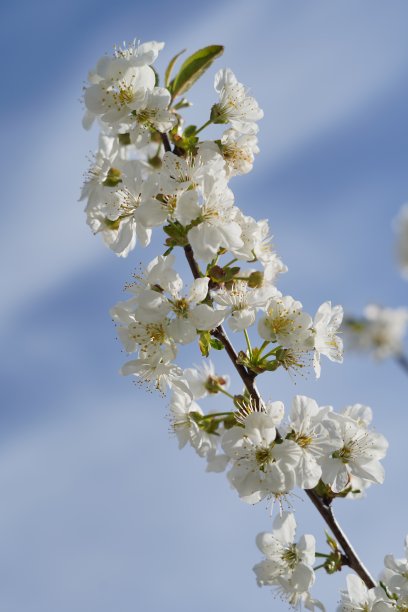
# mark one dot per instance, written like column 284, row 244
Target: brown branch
column 165, row 141
column 248, row 378
column 350, row 558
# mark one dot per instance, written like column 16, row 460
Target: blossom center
column 263, row 456
column 303, row 440
column 343, row 453
column 291, row 556
column 181, row 308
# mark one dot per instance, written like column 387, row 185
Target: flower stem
column 165, row 141
column 230, row 262
column 207, row 123
column 221, row 390
column 248, row 342
column 216, row 414
column 263, row 347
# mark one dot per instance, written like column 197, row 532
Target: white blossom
column 288, row 565
column 235, row 106
column 285, row 323
column 189, row 313
column 102, row 169
column 326, row 324
column 238, row 150
column 119, row 83
column 261, row 465
column 396, row 573
column 192, row 171
column 359, row 455
column 242, row 302
column 358, row 598
column 152, row 110
column 306, row 428
column 214, row 219
column 203, row 380
column 115, row 212
column 257, row 244
column 156, row 368
column 183, row 413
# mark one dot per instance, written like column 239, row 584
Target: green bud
column 256, row 279
column 113, row 177
column 112, row 225
column 217, row 114
column 204, row 343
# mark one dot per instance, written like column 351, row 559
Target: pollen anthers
column 246, row 406
column 123, row 95
column 355, row 446
column 263, row 456
column 147, row 334
column 128, row 49
column 181, row 307
column 234, row 153
column 290, row 556
column 127, row 202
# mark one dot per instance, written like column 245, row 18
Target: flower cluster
column 269, row 456
column 151, row 171
column 288, row 565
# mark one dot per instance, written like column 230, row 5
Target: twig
column 220, row 334
column 165, row 141
column 350, row 558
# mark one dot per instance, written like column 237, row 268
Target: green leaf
column 216, row 344
column 204, row 343
column 170, row 67
column 190, row 131
column 193, row 68
column 331, row 541
column 183, row 103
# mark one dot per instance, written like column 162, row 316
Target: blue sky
column 100, row 511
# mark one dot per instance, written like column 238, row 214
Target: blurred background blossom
column 99, row 510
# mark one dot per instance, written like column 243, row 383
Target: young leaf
column 193, row 67
column 170, row 67
column 204, row 343
column 216, row 344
